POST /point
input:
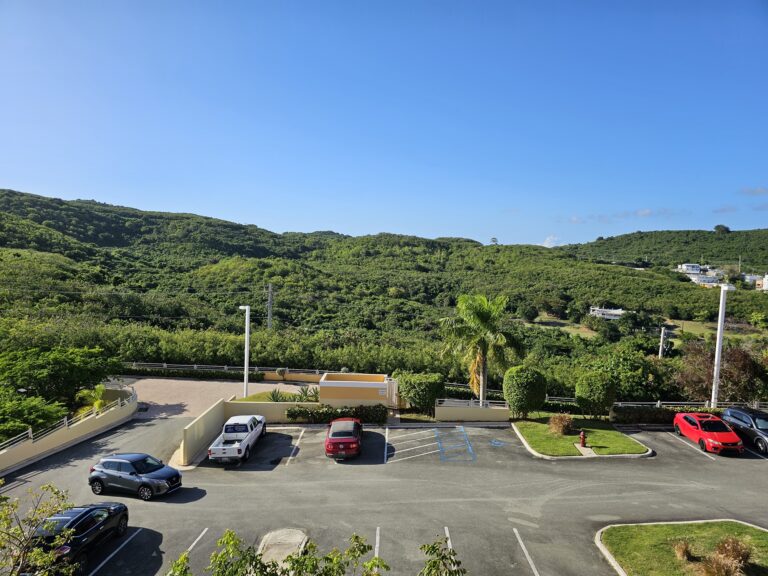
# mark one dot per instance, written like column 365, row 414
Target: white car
column 238, row 437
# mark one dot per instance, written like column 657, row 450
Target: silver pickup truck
column 236, row 441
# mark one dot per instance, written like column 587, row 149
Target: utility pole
column 739, row 263
column 269, row 306
column 247, row 348
column 661, row 341
column 724, row 289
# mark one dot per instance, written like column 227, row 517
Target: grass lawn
column 603, row 438
column 647, row 550
column 264, row 397
column 415, row 417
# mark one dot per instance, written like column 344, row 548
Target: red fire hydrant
column 583, row 439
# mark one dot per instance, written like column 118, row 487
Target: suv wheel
column 97, row 486
column 702, row 445
column 247, row 453
column 122, row 526
column 81, row 565
column 761, row 446
column 677, row 430
column 145, row 492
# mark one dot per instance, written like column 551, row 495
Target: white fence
column 455, row 402
column 662, row 404
column 221, row 368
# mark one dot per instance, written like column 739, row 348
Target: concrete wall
column 353, row 377
column 274, row 412
column 29, row 451
column 271, row 376
column 198, row 434
column 471, row 414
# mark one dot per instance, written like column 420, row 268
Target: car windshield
column 235, row 429
column 51, row 527
column 342, row 430
column 147, row 465
column 761, row 423
column 714, row 426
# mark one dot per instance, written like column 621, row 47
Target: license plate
column 341, row 453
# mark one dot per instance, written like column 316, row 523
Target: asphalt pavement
column 504, row 511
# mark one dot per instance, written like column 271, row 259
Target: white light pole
column 724, row 289
column 247, row 347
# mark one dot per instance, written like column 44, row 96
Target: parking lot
column 504, row 511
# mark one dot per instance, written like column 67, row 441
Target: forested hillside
column 149, row 286
column 668, row 248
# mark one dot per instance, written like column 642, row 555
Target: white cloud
column 550, row 241
column 759, row 191
column 725, row 209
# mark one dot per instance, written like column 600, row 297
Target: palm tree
column 475, row 332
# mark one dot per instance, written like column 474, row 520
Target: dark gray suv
column 138, row 473
column 750, row 424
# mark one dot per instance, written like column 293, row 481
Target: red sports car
column 344, row 438
column 709, row 432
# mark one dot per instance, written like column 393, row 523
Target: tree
column 20, row 524
column 722, row 229
column 595, row 392
column 527, row 312
column 19, row 412
column 57, row 374
column 420, row 390
column 525, row 390
column 476, row 333
column 441, row 560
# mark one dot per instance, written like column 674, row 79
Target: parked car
column 709, row 432
column 751, row 425
column 141, row 474
column 344, row 438
column 90, row 525
column 237, row 438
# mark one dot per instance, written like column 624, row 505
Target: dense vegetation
column 146, row 286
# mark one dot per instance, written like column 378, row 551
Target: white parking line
column 525, row 551
column 420, row 439
column 691, row 446
column 108, row 558
column 755, row 453
column 415, row 456
column 398, row 450
column 386, row 449
column 430, row 430
column 197, row 540
column 448, row 537
column 295, row 448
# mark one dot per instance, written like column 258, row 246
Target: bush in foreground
column 525, row 390
column 323, row 414
column 420, row 390
column 561, row 424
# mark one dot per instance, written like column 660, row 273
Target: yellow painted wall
column 29, row 452
column 272, row 376
column 353, row 377
column 467, row 414
column 274, row 412
column 352, row 394
column 199, row 433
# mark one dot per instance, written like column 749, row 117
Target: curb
column 647, row 454
column 614, row 563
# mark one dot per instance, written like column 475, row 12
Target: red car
column 344, row 438
column 709, row 432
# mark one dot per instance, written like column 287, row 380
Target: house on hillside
column 751, row 278
column 762, row 284
column 606, row 313
column 689, row 268
column 705, row 280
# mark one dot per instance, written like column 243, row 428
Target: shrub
column 595, row 392
column 561, row 407
column 734, row 548
column 276, row 395
column 308, row 394
column 344, row 370
column 461, row 393
column 561, row 424
column 420, row 390
column 719, row 565
column 323, row 413
column 652, row 414
column 525, row 390
column 234, row 374
column 682, row 549
column 281, row 372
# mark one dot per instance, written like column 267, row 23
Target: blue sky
column 531, row 121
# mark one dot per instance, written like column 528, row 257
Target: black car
column 140, row 474
column 750, row 424
column 90, row 525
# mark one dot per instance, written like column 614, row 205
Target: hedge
column 563, row 408
column 323, row 414
column 420, row 390
column 461, row 393
column 525, row 390
column 196, row 374
column 653, row 415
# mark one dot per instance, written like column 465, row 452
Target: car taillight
column 209, row 452
column 353, row 445
column 92, row 469
column 239, row 451
column 62, row 550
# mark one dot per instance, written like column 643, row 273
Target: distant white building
column 606, row 313
column 689, row 268
column 705, row 280
column 751, row 278
column 762, row 284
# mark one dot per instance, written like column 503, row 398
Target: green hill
column 668, row 248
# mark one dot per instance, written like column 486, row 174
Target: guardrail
column 470, row 403
column 222, row 368
column 65, row 422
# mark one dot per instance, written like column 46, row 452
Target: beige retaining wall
column 30, row 451
column 471, row 414
column 271, row 376
column 199, row 434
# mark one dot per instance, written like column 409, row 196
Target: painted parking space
column 278, row 447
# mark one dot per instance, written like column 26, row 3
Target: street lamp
column 724, row 289
column 247, row 347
